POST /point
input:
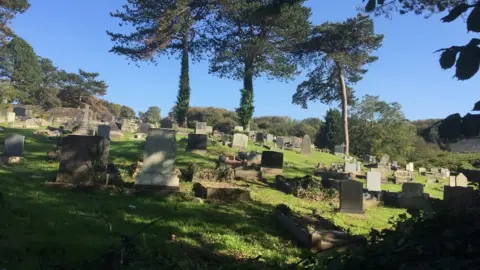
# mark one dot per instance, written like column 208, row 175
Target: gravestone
column 31, row 123
column 197, row 143
column 259, row 137
column 144, row 128
column 238, row 129
column 280, row 142
column 296, row 142
column 83, row 125
column 461, row 180
column 19, row 111
column 201, row 128
column 104, row 131
column 403, row 176
column 240, row 141
column 306, row 145
column 384, row 160
column 434, row 170
column 159, row 160
column 374, row 181
column 351, row 197
column 350, row 167
column 166, row 123
column 14, row 144
column 10, row 117
column 412, row 190
column 452, row 181
column 272, row 163
column 410, row 167
column 458, row 197
column 422, row 171
column 445, row 173
column 339, row 149
column 269, row 138
column 83, row 160
column 209, row 129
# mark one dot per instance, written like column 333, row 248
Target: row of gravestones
column 304, row 144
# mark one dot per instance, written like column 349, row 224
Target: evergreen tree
column 127, row 112
column 8, row 10
column 152, row 115
column 75, row 86
column 46, row 96
column 339, row 52
column 253, row 38
column 331, row 131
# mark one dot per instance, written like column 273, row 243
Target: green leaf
column 456, row 12
column 473, row 21
column 370, row 5
column 468, row 62
column 448, row 58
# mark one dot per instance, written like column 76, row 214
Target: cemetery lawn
column 49, row 228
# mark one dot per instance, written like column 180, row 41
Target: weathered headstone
column 272, row 163
column 19, row 111
column 269, row 138
column 412, row 190
column 104, row 131
column 410, row 167
column 201, row 128
column 209, row 129
column 374, row 181
column 339, row 149
column 10, row 117
column 144, row 128
column 351, row 197
column 238, row 129
column 166, row 123
column 159, row 160
column 306, row 145
column 350, row 167
column 384, row 160
column 434, row 170
column 445, row 173
column 452, row 181
column 461, row 180
column 83, row 160
column 240, row 141
column 14, row 144
column 197, row 143
column 259, row 137
column 422, row 171
column 403, row 176
column 280, row 142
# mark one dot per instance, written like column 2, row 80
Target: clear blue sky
column 72, row 34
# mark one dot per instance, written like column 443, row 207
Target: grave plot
column 221, row 191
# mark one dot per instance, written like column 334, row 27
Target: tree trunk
column 343, row 89
column 246, row 102
column 183, row 97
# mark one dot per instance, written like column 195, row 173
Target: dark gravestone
column 259, row 137
column 272, row 159
column 458, row 197
column 83, row 160
column 339, row 149
column 14, row 145
column 351, row 197
column 306, row 145
column 19, row 111
column 104, row 131
column 197, row 143
column 144, row 128
column 166, row 123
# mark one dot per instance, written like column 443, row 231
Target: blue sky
column 73, row 35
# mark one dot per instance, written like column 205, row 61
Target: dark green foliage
column 8, row 10
column 246, row 109
column 127, row 112
column 183, row 97
column 76, row 86
column 451, row 128
column 331, row 132
column 152, row 115
column 285, row 126
column 444, row 240
column 220, row 119
column 46, row 95
column 114, row 108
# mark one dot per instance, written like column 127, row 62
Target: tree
column 8, row 10
column 152, row 115
column 164, row 27
column 19, row 64
column 331, row 132
column 339, row 51
column 465, row 58
column 115, row 109
column 127, row 112
column 254, row 38
column 46, row 96
column 76, row 86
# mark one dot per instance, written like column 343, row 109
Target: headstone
column 350, row 167
column 461, row 180
column 306, row 145
column 458, row 197
column 10, row 117
column 280, row 142
column 297, row 142
column 240, row 141
column 422, row 171
column 166, row 123
column 104, row 131
column 197, row 143
column 269, row 138
column 82, row 158
column 412, row 190
column 339, row 149
column 351, row 197
column 384, row 160
column 159, row 160
column 209, row 129
column 19, row 111
column 259, row 137
column 201, row 128
column 14, row 144
column 144, row 128
column 238, row 129
column 82, row 128
column 403, row 176
column 272, row 159
column 31, row 123
column 434, row 170
column 445, row 173
column 374, row 181
column 452, row 181
column 410, row 167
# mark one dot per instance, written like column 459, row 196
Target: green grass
column 45, row 227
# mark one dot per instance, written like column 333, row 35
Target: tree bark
column 343, row 90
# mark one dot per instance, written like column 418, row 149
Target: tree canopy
column 8, row 10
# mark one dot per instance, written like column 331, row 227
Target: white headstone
column 461, row 180
column 201, row 128
column 410, row 167
column 238, row 129
column 453, row 181
column 374, row 180
column 351, row 167
column 240, row 141
column 10, row 117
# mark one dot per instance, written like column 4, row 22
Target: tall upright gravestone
column 197, row 143
column 306, row 145
column 240, row 141
column 374, row 181
column 83, row 159
column 159, row 160
column 351, row 197
column 20, row 111
column 272, row 163
column 14, row 144
column 104, row 131
column 10, row 117
column 201, row 128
